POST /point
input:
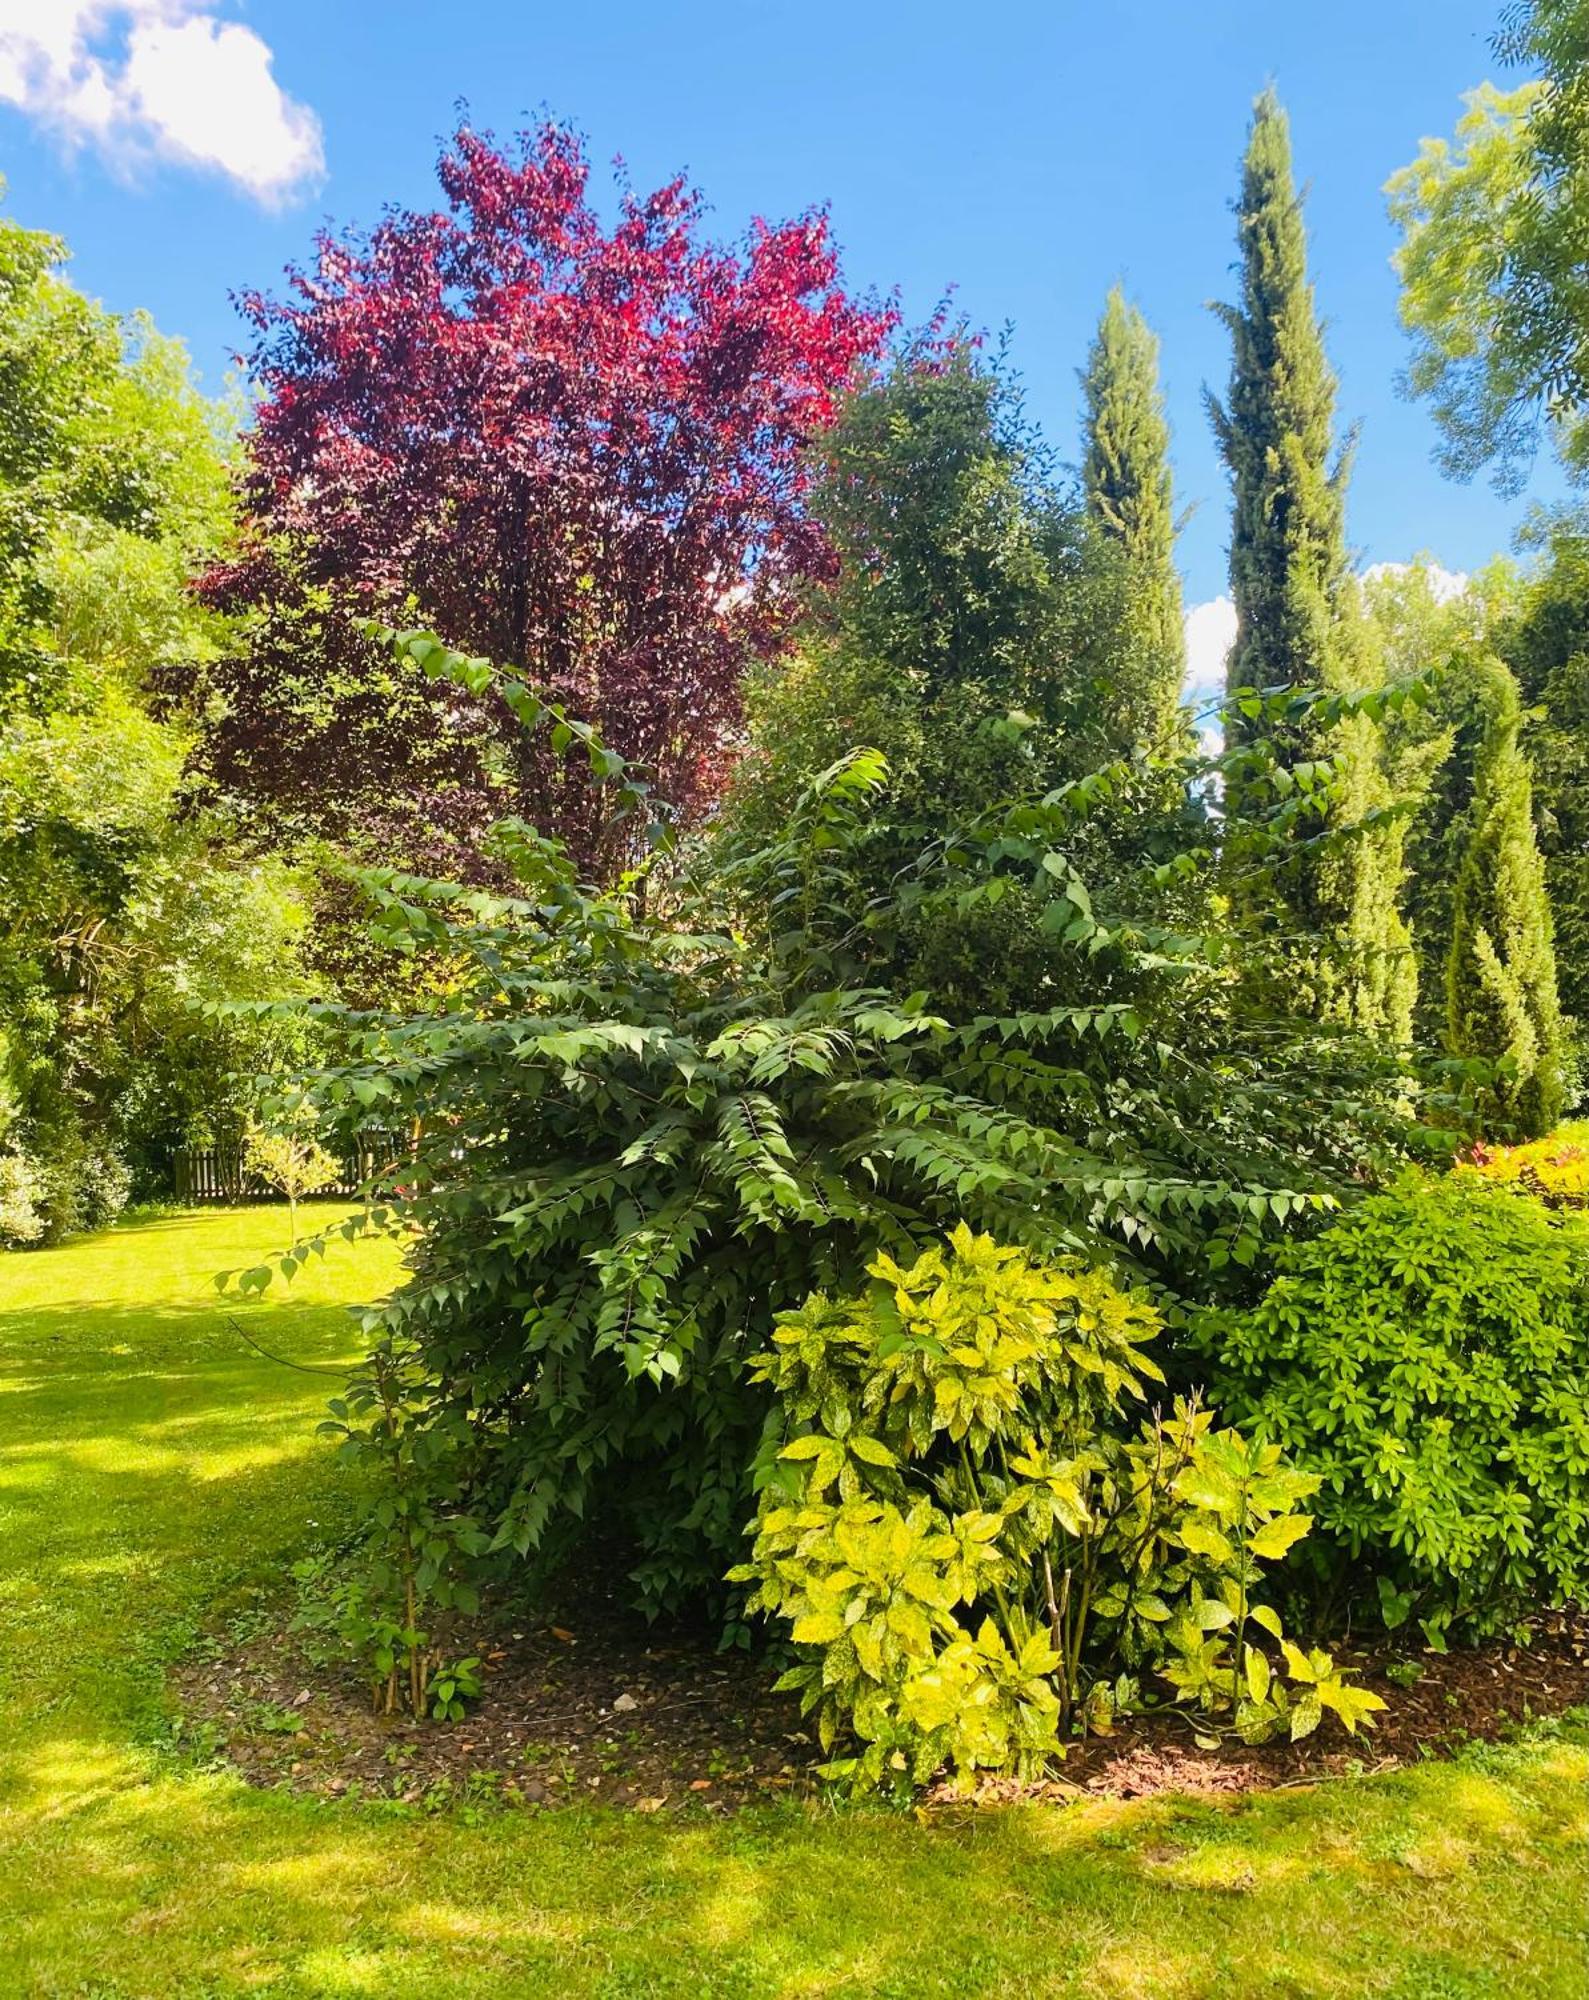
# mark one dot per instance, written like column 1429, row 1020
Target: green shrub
column 20, row 1220
column 975, row 1544
column 83, row 1184
column 1427, row 1358
column 651, row 1118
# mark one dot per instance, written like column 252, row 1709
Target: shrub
column 20, row 1220
column 83, row 1185
column 972, row 1539
column 651, row 1118
column 1427, row 1358
column 1554, row 1170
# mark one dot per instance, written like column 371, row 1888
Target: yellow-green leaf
column 1274, row 1538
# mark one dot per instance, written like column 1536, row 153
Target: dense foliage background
column 668, row 769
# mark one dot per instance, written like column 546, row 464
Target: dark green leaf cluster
column 649, row 1119
column 1427, row 1357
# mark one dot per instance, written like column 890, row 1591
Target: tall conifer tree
column 1276, row 431
column 1299, row 617
column 1130, row 489
column 1501, row 1000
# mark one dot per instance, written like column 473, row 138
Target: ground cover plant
column 158, row 1473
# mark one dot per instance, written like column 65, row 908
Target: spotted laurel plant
column 974, row 1539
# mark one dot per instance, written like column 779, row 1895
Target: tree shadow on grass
column 122, row 1369
column 137, row 1485
column 196, row 1887
column 157, row 1459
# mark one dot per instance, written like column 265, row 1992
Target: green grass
column 151, row 1466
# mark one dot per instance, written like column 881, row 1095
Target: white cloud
column 1211, row 630
column 1444, row 583
column 1210, row 634
column 159, row 79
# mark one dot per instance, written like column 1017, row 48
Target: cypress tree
column 1276, row 432
column 1501, row 999
column 1130, row 494
column 1299, row 619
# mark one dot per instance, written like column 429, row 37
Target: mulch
column 587, row 1704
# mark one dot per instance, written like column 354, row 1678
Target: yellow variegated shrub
column 978, row 1546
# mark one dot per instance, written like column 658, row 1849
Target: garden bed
column 585, row 1705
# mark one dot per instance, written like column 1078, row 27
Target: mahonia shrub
column 977, row 1541
column 1426, row 1357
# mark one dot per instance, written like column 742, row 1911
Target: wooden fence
column 217, row 1173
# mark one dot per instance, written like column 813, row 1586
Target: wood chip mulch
column 587, row 1704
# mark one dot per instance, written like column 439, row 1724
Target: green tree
column 980, row 632
column 113, row 480
column 1299, row 618
column 1494, row 251
column 1130, row 490
column 1544, row 638
column 49, row 349
column 1427, row 626
column 288, row 1156
column 1276, row 431
column 1501, row 998
column 975, row 615
column 120, row 906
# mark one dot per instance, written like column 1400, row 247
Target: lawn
column 154, row 1467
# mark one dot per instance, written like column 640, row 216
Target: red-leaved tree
column 573, row 447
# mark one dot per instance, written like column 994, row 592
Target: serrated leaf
column 1275, row 1538
column 1306, row 1713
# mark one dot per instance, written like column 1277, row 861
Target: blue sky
column 1028, row 154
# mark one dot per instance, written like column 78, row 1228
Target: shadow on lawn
column 1368, row 1888
column 142, row 1474
column 44, row 1349
column 149, row 1459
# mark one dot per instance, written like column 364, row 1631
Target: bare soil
column 586, row 1703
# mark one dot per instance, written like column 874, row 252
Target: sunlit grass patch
column 141, row 1488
